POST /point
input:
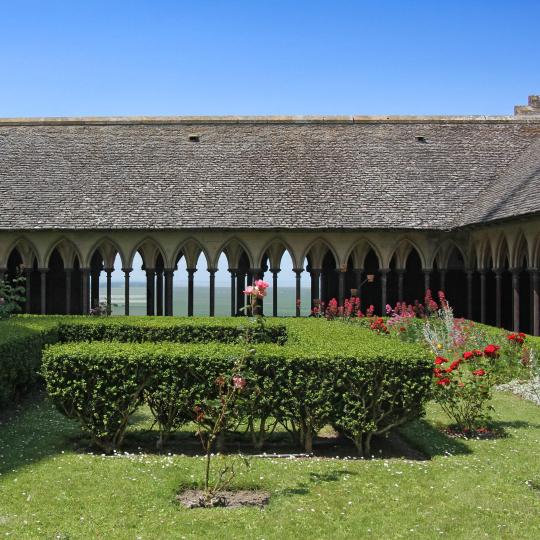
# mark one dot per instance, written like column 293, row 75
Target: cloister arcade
column 489, row 274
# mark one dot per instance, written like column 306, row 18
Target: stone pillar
column 159, row 292
column 535, row 288
column 384, row 279
column 400, row 283
column 85, row 275
column 168, row 291
column 43, row 276
column 240, row 286
column 498, row 297
column 427, row 279
column 275, row 272
column 358, row 272
column 212, row 273
column 126, row 271
column 108, row 298
column 94, row 291
column 68, row 272
column 150, row 291
column 442, row 280
column 191, row 273
column 482, row 296
column 515, row 297
column 298, row 272
column 469, row 294
column 341, row 284
column 315, row 274
column 28, row 289
column 233, row 291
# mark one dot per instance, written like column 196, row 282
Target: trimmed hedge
column 327, row 372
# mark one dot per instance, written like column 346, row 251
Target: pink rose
column 239, row 382
column 248, row 290
column 262, row 285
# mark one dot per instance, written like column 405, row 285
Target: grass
column 50, row 489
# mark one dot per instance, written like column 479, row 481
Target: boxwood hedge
column 312, row 373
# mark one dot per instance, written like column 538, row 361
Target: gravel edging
column 529, row 390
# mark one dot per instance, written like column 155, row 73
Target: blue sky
column 70, row 58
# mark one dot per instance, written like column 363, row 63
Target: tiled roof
column 301, row 173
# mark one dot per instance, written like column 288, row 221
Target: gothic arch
column 149, row 248
column 233, row 250
column 359, row 250
column 108, row 249
column 67, row 249
column 318, row 249
column 191, row 249
column 275, row 249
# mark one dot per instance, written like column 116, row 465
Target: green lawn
column 467, row 489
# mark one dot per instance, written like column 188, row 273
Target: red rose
column 454, row 364
column 491, row 350
column 437, row 372
column 440, row 360
column 511, row 337
column 444, row 382
column 467, row 355
column 479, row 372
column 477, row 352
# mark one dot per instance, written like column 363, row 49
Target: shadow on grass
column 431, row 441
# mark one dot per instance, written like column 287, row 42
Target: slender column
column 108, row 299
column 427, row 278
column 212, row 273
column 28, row 289
column 3, row 273
column 94, row 291
column 85, row 274
column 240, row 286
column 359, row 273
column 43, row 275
column 384, row 278
column 469, row 293
column 168, row 291
column 191, row 272
column 159, row 292
column 150, row 291
column 515, row 297
column 498, row 297
column 315, row 274
column 298, row 272
column 482, row 296
column 400, row 283
column 341, row 284
column 535, row 288
column 275, row 272
column 68, row 290
column 442, row 279
column 233, row 291
column 126, row 271
column 324, row 286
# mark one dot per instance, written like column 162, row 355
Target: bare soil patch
column 195, row 498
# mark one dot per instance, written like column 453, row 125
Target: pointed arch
column 191, row 249
column 67, row 250
column 520, row 252
column 359, row 250
column 149, row 248
column 317, row 250
column 501, row 252
column 402, row 249
column 233, row 248
column 275, row 249
column 108, row 249
column 443, row 253
column 27, row 250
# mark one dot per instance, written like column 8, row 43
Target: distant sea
column 201, row 300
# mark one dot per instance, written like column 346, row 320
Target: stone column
column 469, row 294
column 341, row 286
column 358, row 272
column 498, row 297
column 108, row 300
column 43, row 276
column 28, row 289
column 212, row 273
column 159, row 292
column 85, row 275
column 427, row 279
column 298, row 272
column 191, row 273
column 240, row 286
column 68, row 272
column 150, row 291
column 535, row 288
column 168, row 291
column 442, row 280
column 384, row 279
column 401, row 278
column 515, row 297
column 315, row 274
column 94, row 291
column 233, row 291
column 275, row 272
column 126, row 271
column 482, row 296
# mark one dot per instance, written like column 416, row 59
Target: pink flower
column 239, row 382
column 248, row 290
column 262, row 285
